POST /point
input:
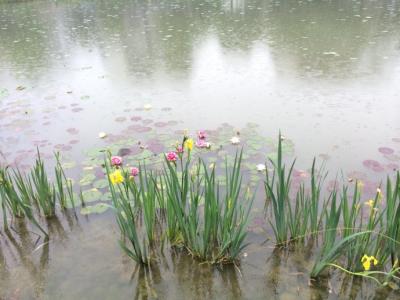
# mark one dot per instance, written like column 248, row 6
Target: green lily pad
column 95, row 209
column 68, row 165
column 101, row 183
column 87, row 179
column 106, row 197
column 91, row 195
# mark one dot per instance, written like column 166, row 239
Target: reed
column 216, row 232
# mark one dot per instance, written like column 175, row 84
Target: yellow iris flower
column 367, row 260
column 370, row 203
column 116, row 177
column 189, row 144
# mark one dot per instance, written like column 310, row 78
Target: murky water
column 327, row 73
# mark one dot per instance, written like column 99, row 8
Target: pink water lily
column 171, row 156
column 201, row 143
column 116, row 160
column 202, row 135
column 134, row 171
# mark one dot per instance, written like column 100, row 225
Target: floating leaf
column 68, row 165
column 72, row 131
column 385, row 150
column 87, row 179
column 100, row 184
column 91, row 195
column 373, row 165
column 95, row 209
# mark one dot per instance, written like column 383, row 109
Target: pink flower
column 134, row 171
column 116, row 160
column 202, row 134
column 171, row 156
column 201, row 143
column 179, row 149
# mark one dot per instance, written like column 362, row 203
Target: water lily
column 116, row 177
column 367, row 260
column 116, row 160
column 171, row 156
column 201, row 135
column 261, row 167
column 134, row 171
column 102, row 135
column 201, row 143
column 235, row 140
column 147, row 106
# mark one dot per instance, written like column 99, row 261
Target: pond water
column 325, row 73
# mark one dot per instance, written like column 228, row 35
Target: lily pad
column 386, row 150
column 87, row 179
column 101, row 183
column 373, row 165
column 95, row 209
column 91, row 195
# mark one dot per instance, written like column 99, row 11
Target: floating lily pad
column 87, row 179
column 106, row 197
column 120, row 119
column 68, row 165
column 160, row 124
column 385, row 150
column 373, row 165
column 136, row 118
column 91, row 195
column 101, row 183
column 139, row 128
column 95, row 209
column 72, row 131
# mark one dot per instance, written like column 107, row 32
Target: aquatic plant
column 25, row 195
column 129, row 198
column 216, row 234
column 205, row 219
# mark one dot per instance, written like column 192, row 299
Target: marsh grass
column 337, row 220
column 32, row 194
column 200, row 216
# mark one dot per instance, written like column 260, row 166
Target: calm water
column 327, row 73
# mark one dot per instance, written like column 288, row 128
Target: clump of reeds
column 32, row 194
column 207, row 220
column 351, row 241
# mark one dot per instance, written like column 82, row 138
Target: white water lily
column 235, row 140
column 102, row 135
column 147, row 106
column 261, row 167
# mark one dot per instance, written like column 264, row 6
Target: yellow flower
column 360, row 184
column 116, row 177
column 370, row 203
column 366, row 261
column 189, row 144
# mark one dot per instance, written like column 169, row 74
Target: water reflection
column 333, row 39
